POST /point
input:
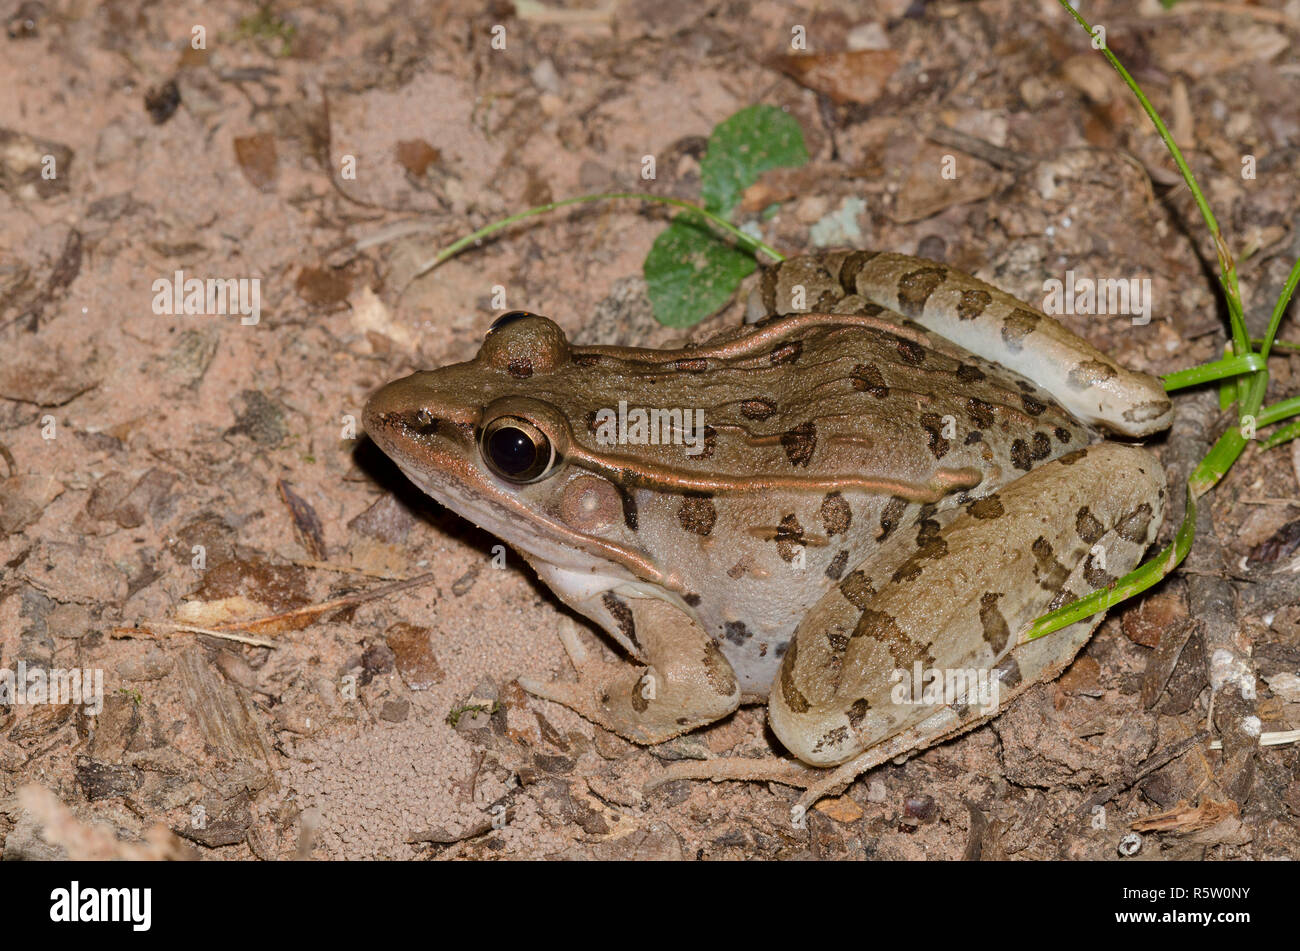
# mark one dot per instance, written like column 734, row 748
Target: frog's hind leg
column 847, row 695
column 997, row 326
column 686, row 684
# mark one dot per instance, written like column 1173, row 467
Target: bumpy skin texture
column 866, row 494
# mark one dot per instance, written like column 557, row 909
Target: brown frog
column 833, row 510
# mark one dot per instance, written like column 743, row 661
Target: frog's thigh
column 686, row 684
column 1057, row 533
column 993, row 324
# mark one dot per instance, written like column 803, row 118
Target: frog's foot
column 687, row 684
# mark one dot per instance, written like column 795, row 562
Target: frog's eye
column 516, row 450
column 506, row 319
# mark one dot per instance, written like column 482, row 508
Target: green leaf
column 691, row 274
column 744, row 147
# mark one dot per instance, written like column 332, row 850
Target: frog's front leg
column 955, row 606
column 685, row 683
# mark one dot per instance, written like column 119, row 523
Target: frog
column 890, row 467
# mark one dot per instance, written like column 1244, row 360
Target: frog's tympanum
column 874, row 486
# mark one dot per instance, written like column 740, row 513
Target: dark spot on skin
column 587, row 359
column 1145, row 412
column 1062, row 598
column 794, row 700
column 710, row 442
column 521, row 368
column 1019, row 324
column 986, row 508
column 591, row 422
column 883, row 628
column 789, row 538
column 691, row 365
column 799, row 443
column 835, row 514
column 932, row 423
column 867, row 378
column 693, row 600
column 767, row 284
column 629, row 507
column 890, row 516
column 1089, row 373
column 836, row 568
column 757, row 408
column 996, row 631
column 915, row 288
column 852, row 266
column 972, row 304
column 1133, row 527
column 969, row 374
column 929, row 543
column 781, row 649
column 833, row 738
column 1026, row 386
column 911, row 353
column 1032, row 406
column 857, row 589
column 1070, row 458
column 980, row 412
column 1094, row 574
column 1008, row 671
column 1051, row 573
column 737, row 633
column 786, row 353
column 858, row 712
column 697, row 514
column 1042, row 447
column 622, row 615
column 1088, row 526
column 1020, row 456
column 1062, row 434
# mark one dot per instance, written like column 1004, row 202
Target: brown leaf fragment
column 24, row 498
column 1146, row 623
column 39, row 374
column 416, row 155
column 306, row 523
column 841, row 809
column 219, row 711
column 1161, row 663
column 323, row 286
column 257, row 159
column 853, row 76
column 1184, row 818
column 1281, row 544
column 414, row 653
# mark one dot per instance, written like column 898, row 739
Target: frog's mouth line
column 533, row 533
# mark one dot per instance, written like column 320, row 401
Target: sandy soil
column 328, row 150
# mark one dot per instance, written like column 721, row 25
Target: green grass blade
column 747, row 241
column 1206, row 372
column 1285, row 434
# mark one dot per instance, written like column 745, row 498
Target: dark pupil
column 512, row 450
